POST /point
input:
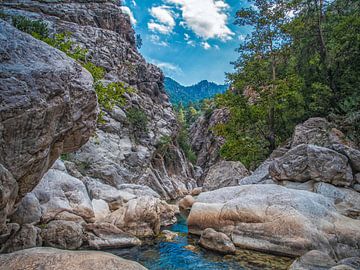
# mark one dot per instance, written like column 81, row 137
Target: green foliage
column 137, row 120
column 65, row 157
column 164, row 144
column 110, row 94
column 33, row 27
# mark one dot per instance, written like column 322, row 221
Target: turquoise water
column 163, row 255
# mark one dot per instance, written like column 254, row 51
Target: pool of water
column 175, row 255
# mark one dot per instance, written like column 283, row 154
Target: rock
column 186, row 202
column 105, row 235
column 347, row 201
column 224, row 174
column 143, row 216
column 101, row 209
column 29, row 210
column 310, row 162
column 357, row 178
column 313, row 260
column 204, row 142
column 98, row 190
column 353, row 262
column 191, row 248
column 49, row 107
column 313, row 131
column 58, row 192
column 196, row 191
column 120, row 152
column 217, row 241
column 275, row 219
column 138, row 190
column 343, row 267
column 259, row 176
column 169, row 235
column 27, row 237
column 8, row 194
column 62, row 234
column 352, row 154
column 51, row 258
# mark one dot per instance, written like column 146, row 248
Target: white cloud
column 157, row 27
column 207, row 18
column 205, row 45
column 186, row 36
column 163, row 22
column 168, row 68
column 155, row 39
column 133, row 3
column 127, row 10
column 163, row 14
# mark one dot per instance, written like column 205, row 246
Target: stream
column 174, row 255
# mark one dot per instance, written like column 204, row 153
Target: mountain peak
column 194, row 93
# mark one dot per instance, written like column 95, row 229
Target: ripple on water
column 175, row 255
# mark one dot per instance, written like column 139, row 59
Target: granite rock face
column 48, row 107
column 51, row 258
column 204, row 142
column 119, row 153
column 117, row 180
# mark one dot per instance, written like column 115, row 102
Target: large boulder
column 313, row 260
column 62, row 234
column 48, row 107
column 346, row 200
column 28, row 236
column 58, row 192
column 51, row 258
column 224, row 174
column 317, row 131
column 310, row 162
column 106, row 235
column 143, row 216
column 275, row 219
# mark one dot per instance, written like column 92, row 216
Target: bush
column 35, row 28
column 137, row 120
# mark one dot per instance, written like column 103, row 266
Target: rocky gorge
column 70, row 181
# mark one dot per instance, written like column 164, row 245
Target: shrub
column 36, row 28
column 137, row 120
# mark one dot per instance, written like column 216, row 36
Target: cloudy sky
column 190, row 40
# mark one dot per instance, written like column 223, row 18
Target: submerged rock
column 51, row 258
column 277, row 220
column 216, row 241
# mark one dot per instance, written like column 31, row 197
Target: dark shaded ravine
column 163, row 255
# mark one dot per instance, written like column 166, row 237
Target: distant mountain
column 185, row 94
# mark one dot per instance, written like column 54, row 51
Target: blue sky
column 190, row 40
